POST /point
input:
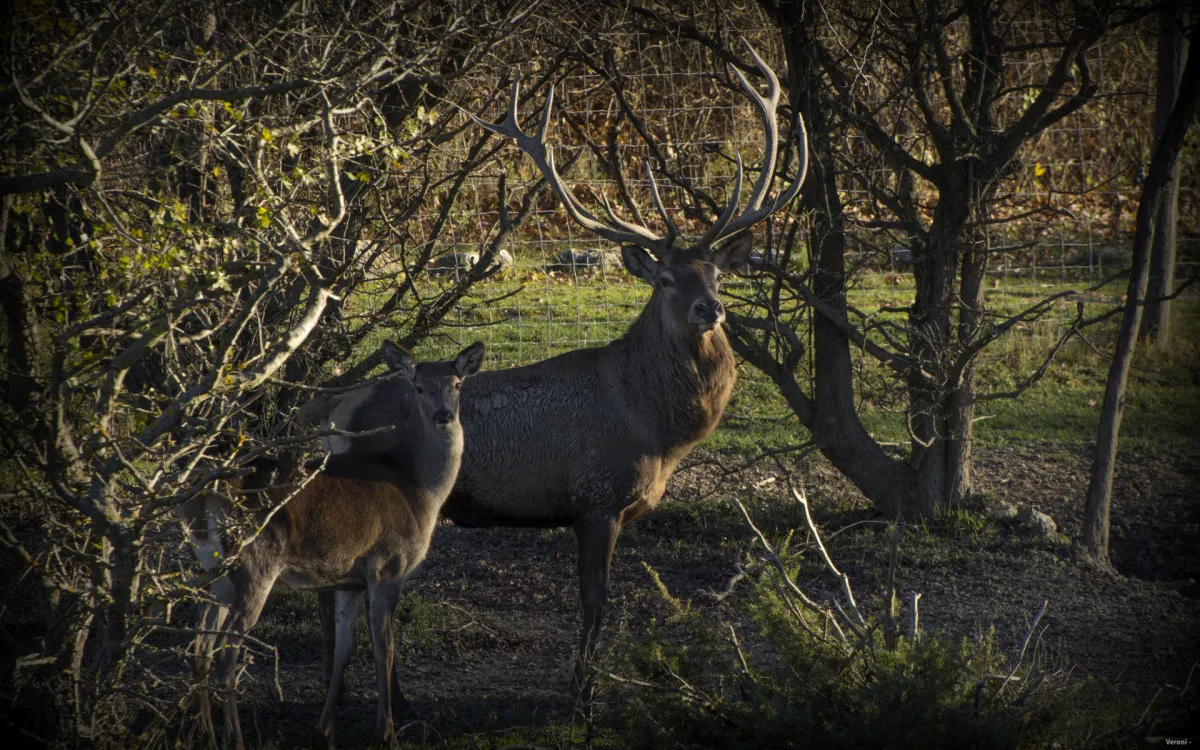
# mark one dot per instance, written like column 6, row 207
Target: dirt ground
column 494, row 615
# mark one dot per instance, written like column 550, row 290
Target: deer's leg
column 327, row 614
column 383, row 598
column 212, row 617
column 343, row 609
column 326, row 610
column 250, row 595
column 596, row 536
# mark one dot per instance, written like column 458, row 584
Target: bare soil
column 493, row 617
column 494, row 614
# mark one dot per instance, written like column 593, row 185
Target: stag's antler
column 726, row 225
column 619, row 231
column 623, row 232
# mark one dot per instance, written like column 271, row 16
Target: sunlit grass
column 553, row 313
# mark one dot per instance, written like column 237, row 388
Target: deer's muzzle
column 707, row 314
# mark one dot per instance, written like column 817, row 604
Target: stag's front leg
column 596, row 536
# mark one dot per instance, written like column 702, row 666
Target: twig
column 738, row 647
column 244, row 638
column 914, row 616
column 857, row 622
column 472, row 619
column 743, row 569
column 733, row 581
column 774, row 559
column 334, row 390
column 644, row 684
column 1020, row 656
column 889, row 629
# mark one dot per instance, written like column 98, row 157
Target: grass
column 553, row 313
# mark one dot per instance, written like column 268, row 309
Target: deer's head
column 685, row 280
column 437, row 384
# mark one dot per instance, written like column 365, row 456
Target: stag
column 589, row 438
column 359, row 526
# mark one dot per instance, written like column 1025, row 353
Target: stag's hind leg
column 597, row 536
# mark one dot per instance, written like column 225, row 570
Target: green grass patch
column 552, row 313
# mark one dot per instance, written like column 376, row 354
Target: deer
column 588, row 439
column 359, row 526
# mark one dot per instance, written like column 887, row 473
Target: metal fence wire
column 568, row 288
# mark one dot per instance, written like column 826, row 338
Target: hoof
column 403, row 710
column 323, row 737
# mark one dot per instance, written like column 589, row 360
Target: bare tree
column 1172, row 55
column 190, row 195
column 1155, row 193
column 940, row 116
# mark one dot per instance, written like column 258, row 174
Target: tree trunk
column 939, row 417
column 1165, row 161
column 960, row 406
column 1172, row 52
column 831, row 415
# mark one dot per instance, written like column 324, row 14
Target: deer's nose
column 443, row 416
column 708, row 312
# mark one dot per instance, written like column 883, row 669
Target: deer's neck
column 685, row 378
column 429, row 458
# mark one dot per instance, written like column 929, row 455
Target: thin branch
column 1021, row 655
column 773, row 558
column 839, row 575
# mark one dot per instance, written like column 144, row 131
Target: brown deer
column 588, row 439
column 359, row 526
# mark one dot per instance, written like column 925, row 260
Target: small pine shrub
column 789, row 684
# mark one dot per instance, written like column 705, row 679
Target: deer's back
column 545, row 442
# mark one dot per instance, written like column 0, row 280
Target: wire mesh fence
column 1068, row 206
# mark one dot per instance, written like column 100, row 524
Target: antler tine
column 718, row 228
column 766, row 110
column 767, row 106
column 543, row 157
column 510, row 127
column 620, row 223
column 672, row 228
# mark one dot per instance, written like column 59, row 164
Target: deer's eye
column 419, row 389
column 666, row 282
column 458, row 386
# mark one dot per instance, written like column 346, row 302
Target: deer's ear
column 469, row 360
column 640, row 263
column 735, row 253
column 400, row 360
